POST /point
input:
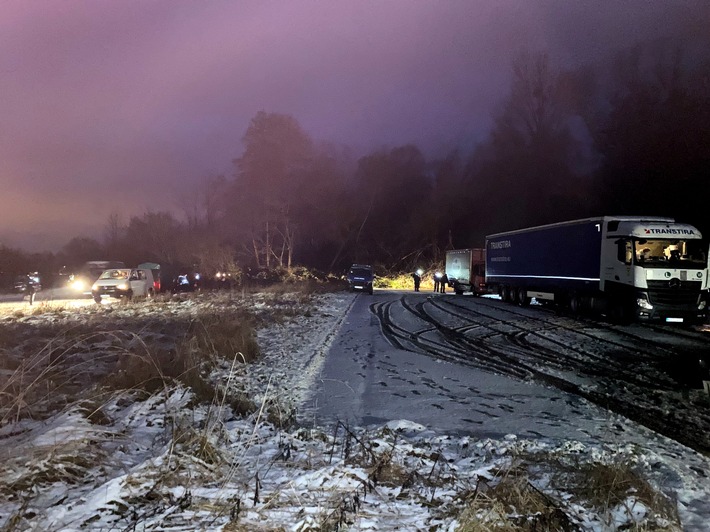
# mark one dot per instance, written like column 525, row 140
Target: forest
column 626, row 136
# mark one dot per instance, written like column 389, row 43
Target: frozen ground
column 423, row 448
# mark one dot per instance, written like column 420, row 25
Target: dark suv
column 360, row 277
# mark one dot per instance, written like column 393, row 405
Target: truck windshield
column 670, row 253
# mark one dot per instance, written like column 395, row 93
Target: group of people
column 440, row 281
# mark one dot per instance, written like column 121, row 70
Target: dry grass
column 609, row 486
column 512, row 504
column 514, row 500
column 404, row 281
column 50, row 365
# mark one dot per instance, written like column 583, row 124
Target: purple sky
column 119, row 105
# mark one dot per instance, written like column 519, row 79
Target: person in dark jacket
column 34, row 285
column 417, row 280
column 444, row 282
column 437, row 281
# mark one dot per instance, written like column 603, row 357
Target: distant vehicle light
column 79, row 285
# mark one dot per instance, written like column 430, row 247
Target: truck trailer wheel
column 523, row 299
column 512, row 295
column 505, row 293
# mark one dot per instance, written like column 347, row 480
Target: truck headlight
column 122, row 286
column 702, row 304
column 643, row 303
column 79, row 285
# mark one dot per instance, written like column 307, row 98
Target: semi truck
column 645, row 268
column 465, row 270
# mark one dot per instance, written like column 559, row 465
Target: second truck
column 465, row 270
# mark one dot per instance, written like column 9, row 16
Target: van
column 361, row 278
column 124, row 283
column 81, row 280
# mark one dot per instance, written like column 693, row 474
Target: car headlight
column 122, row 286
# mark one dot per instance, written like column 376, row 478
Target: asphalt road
column 53, row 297
column 465, row 364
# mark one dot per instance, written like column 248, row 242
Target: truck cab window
column 624, row 251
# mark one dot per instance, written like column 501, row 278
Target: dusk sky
column 120, row 106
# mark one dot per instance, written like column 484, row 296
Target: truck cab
column 664, row 264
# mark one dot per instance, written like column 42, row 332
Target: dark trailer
column 559, row 257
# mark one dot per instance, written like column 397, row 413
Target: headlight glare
column 643, row 303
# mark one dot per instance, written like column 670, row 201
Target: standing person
column 33, row 285
column 417, row 280
column 444, row 281
column 437, row 281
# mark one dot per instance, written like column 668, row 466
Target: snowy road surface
column 367, row 381
column 478, row 366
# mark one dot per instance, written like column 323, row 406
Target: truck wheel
column 575, row 304
column 523, row 299
column 512, row 295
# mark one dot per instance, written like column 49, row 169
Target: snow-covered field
column 80, row 452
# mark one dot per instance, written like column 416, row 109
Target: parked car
column 361, row 278
column 124, row 283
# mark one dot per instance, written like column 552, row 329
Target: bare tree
column 113, row 231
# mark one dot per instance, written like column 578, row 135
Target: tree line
column 627, row 136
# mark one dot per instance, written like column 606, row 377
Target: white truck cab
column 664, row 262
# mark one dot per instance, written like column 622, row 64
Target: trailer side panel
column 562, row 256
